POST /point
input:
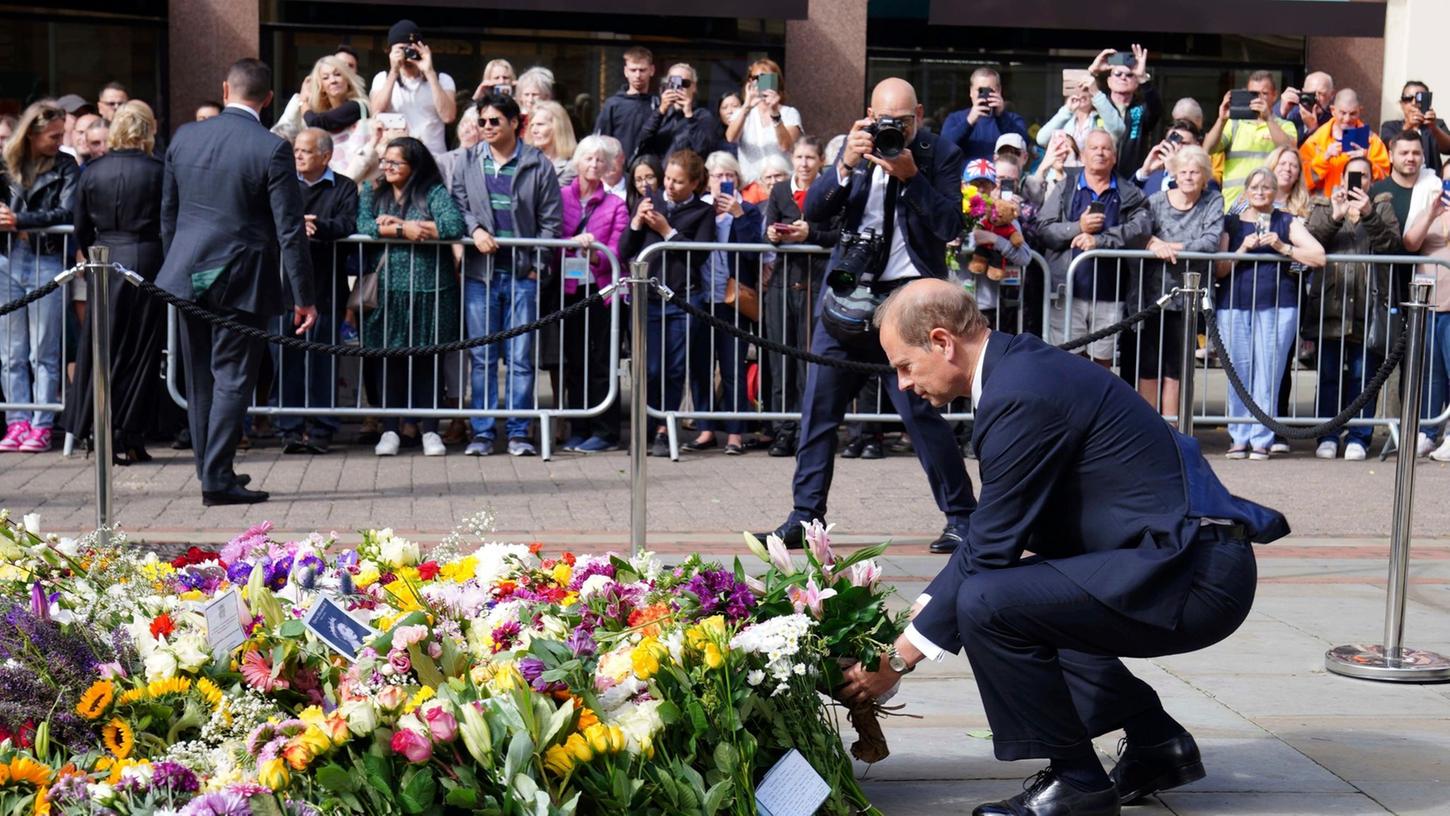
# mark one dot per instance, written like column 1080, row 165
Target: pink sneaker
column 37, row 442
column 15, row 434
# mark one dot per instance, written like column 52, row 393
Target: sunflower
column 174, row 685
column 209, row 691
column 23, row 769
column 130, row 696
column 118, row 737
column 96, row 699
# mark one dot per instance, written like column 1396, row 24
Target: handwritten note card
column 224, row 623
column 791, row 788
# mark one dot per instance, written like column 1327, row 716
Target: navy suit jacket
column 1079, row 469
column 230, row 201
column 930, row 203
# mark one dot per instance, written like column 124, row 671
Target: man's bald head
column 1347, row 99
column 914, row 310
column 895, row 97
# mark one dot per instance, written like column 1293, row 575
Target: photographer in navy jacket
column 913, row 202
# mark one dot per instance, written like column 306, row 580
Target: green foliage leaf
column 334, row 778
column 418, row 790
column 461, row 797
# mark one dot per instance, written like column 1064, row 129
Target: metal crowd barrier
column 713, row 381
column 354, row 388
column 38, row 342
column 1325, row 298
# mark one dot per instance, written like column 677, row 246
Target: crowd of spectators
column 1288, row 174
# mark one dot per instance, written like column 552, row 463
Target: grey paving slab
column 1269, row 804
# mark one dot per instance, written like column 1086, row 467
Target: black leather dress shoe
column 1046, row 795
column 947, row 542
column 243, row 479
column 784, row 445
column 792, row 533
column 853, row 448
column 872, row 450
column 236, row 494
column 1143, row 771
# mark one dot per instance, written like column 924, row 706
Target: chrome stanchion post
column 99, row 284
column 638, row 379
column 1391, row 660
column 1190, row 294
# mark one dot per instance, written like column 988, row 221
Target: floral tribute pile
column 496, row 679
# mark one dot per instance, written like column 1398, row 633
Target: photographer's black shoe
column 1047, row 795
column 1146, row 770
column 947, row 542
column 872, row 450
column 792, row 533
column 854, row 448
column 784, row 445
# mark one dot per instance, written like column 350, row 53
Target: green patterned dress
column 418, row 288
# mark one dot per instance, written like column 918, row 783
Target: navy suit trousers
column 828, row 391
column 1045, row 652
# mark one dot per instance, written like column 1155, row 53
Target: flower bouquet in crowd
column 982, row 211
column 301, row 677
column 846, row 598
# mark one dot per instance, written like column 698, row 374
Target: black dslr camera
column 863, row 256
column 889, row 135
column 409, row 52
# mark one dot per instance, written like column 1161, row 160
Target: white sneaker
column 1329, row 450
column 1442, row 453
column 1354, row 452
column 433, row 445
column 1425, row 444
column 388, row 445
column 1279, row 446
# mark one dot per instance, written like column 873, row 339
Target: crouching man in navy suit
column 1139, row 551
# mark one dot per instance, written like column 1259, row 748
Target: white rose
column 594, row 585
column 31, row 523
column 191, row 653
column 361, row 716
column 160, row 665
column 398, row 552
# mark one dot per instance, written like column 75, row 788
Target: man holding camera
column 1326, row 153
column 1246, row 134
column 1308, row 106
column 413, row 88
column 1415, row 104
column 675, row 123
column 898, row 189
column 975, row 130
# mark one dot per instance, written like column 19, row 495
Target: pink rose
column 392, row 697
column 398, row 659
column 412, row 745
column 442, row 724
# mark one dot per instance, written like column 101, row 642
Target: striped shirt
column 499, row 181
column 1247, row 144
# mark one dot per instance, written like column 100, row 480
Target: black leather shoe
column 792, row 533
column 292, row 443
column 696, row 445
column 872, row 450
column 1046, row 795
column 1144, row 771
column 243, row 479
column 236, row 494
column 947, row 542
column 854, row 448
column 784, row 445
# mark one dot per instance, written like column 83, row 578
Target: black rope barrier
column 1371, row 389
column 26, row 300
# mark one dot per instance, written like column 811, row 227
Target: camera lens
column 890, row 141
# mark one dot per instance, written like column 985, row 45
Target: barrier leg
column 672, row 427
column 1190, row 295
column 1391, row 660
column 638, row 432
column 546, row 436
column 100, row 314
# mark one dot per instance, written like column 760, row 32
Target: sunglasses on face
column 490, row 121
column 1121, row 74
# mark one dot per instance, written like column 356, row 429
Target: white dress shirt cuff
column 929, row 650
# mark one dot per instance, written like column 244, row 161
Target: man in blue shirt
column 975, row 129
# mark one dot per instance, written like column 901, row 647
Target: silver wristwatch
column 897, row 664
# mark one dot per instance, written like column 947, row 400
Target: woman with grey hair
column 534, row 85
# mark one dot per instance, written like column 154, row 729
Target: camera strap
column 888, row 211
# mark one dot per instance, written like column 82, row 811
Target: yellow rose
column 617, row 740
column 713, row 658
column 562, row 573
column 597, row 736
column 557, row 761
column 578, row 748
column 273, row 774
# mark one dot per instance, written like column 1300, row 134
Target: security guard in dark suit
column 1139, row 552
column 230, row 212
column 913, row 202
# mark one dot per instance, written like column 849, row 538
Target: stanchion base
column 1370, row 663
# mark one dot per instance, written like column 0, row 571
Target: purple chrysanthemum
column 721, row 594
column 225, row 803
column 173, row 777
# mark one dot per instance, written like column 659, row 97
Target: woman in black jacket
column 672, row 213
column 42, row 182
column 118, row 205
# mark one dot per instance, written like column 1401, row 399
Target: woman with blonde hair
column 497, row 72
column 332, row 98
column 551, row 132
column 118, row 204
column 40, row 186
column 764, row 125
column 1291, row 192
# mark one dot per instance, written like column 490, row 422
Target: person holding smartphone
column 1246, row 143
column 676, row 123
column 413, row 87
column 1428, row 234
column 976, row 128
column 1132, row 92
column 764, row 124
column 1334, row 144
column 1416, row 106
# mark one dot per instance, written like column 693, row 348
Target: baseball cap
column 1013, row 140
column 71, row 103
column 978, row 169
column 403, row 31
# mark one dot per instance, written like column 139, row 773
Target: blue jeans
column 1437, row 365
column 666, row 342
column 491, row 306
column 710, row 347
column 1258, row 346
column 305, row 379
column 1340, row 381
column 30, row 338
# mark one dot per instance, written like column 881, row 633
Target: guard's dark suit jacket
column 1079, row 469
column 230, row 201
column 933, row 199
